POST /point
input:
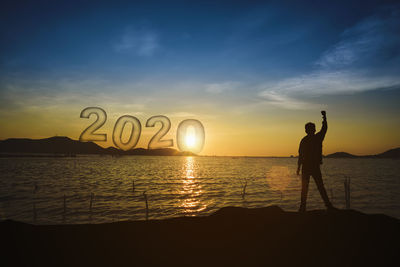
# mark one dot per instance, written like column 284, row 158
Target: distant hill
column 392, row 153
column 65, row 145
column 340, row 155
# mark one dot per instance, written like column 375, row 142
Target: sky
column 252, row 72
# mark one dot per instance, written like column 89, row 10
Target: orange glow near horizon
column 277, row 134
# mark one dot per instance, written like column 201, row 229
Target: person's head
column 310, row 128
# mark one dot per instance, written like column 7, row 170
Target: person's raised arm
column 324, row 128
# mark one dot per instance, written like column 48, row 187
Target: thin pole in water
column 347, row 192
column 35, row 189
column 147, row 205
column 91, row 202
column 244, row 189
column 34, row 212
column 65, row 207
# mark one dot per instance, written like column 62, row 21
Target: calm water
column 177, row 186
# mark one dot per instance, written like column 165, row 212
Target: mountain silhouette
column 392, row 153
column 341, row 155
column 65, row 145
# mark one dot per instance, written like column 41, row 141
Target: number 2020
column 156, row 141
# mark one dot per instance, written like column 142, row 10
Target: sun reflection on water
column 191, row 188
column 279, row 178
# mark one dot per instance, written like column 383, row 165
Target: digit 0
column 190, row 136
column 119, row 129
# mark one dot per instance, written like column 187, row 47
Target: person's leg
column 305, row 180
column 316, row 174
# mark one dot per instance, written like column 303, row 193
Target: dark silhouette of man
column 310, row 159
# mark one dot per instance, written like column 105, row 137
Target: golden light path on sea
column 279, row 177
column 191, row 188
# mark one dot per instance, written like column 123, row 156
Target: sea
column 99, row 189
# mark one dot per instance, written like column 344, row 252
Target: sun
column 190, row 140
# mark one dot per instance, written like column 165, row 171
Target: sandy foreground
column 230, row 237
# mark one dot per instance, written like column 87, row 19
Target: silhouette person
column 310, row 158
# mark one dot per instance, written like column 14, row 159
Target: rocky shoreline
column 230, row 237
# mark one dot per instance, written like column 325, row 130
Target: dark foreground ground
column 230, row 237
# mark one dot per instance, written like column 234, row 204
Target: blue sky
column 248, row 57
column 211, row 39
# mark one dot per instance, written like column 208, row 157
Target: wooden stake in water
column 347, row 192
column 244, row 189
column 34, row 212
column 147, row 205
column 133, row 186
column 65, row 207
column 91, row 202
column 35, row 188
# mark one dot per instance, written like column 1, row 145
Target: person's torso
column 312, row 149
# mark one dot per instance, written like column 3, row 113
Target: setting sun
column 190, row 140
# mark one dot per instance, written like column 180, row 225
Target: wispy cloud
column 366, row 58
column 375, row 39
column 327, row 83
column 284, row 101
column 20, row 94
column 181, row 114
column 141, row 42
column 217, row 88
